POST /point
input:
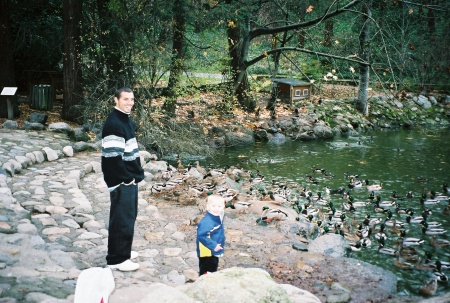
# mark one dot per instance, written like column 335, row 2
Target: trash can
column 42, row 97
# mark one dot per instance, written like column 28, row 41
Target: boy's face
column 216, row 207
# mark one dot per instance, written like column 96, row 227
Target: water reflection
column 403, row 161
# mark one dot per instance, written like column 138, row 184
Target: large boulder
column 238, row 139
column 234, row 284
column 323, row 131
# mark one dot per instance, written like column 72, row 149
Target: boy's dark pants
column 208, row 264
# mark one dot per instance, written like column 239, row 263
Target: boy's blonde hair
column 215, row 198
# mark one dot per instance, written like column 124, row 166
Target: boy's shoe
column 134, row 255
column 127, row 265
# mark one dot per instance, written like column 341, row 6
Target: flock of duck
column 370, row 222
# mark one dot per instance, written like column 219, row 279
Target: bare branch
column 429, row 6
column 267, row 31
column 281, row 49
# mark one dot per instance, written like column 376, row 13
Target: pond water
column 402, row 160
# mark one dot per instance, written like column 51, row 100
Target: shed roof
column 290, row 81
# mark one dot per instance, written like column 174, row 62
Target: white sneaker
column 127, row 265
column 134, row 255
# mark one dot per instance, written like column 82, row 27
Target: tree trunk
column 178, row 52
column 7, row 75
column 71, row 67
column 364, row 52
column 238, row 44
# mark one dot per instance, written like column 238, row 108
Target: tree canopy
column 154, row 45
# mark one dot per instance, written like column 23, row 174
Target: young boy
column 211, row 235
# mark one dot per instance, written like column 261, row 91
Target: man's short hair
column 122, row 89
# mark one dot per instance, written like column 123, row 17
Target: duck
column 409, row 195
column 409, row 219
column 402, row 264
column 411, row 241
column 240, row 206
column 348, row 206
column 385, row 203
column 350, row 176
column 401, row 211
column 425, row 201
column 446, row 210
column 311, row 179
column 381, row 234
column 395, row 227
column 365, row 242
column 269, row 214
column 317, row 170
column 278, row 198
column 256, row 180
column 429, row 288
column 440, row 276
column 438, row 196
column 356, row 246
column 157, row 187
column 386, row 250
column 229, row 195
column 431, row 224
column 355, row 183
column 434, row 241
column 373, row 187
column 394, row 224
column 337, row 191
column 359, row 230
column 442, row 264
column 359, row 203
column 424, row 265
column 433, row 231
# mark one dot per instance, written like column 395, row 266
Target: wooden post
column 9, row 92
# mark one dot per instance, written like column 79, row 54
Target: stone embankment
column 53, row 224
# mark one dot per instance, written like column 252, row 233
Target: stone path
column 53, row 223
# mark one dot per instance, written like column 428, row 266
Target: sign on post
column 9, row 91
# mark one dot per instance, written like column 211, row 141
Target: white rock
column 68, row 151
column 71, row 223
column 39, row 156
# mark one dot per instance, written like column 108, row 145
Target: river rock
column 36, row 117
column 277, row 138
column 330, row 244
column 60, row 127
column 79, row 134
column 33, row 126
column 238, row 139
column 422, row 101
column 10, row 124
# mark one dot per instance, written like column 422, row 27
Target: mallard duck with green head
column 270, row 214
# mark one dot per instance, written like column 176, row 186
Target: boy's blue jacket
column 210, row 232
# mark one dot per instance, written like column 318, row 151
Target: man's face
column 125, row 102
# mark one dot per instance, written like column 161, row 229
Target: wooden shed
column 292, row 89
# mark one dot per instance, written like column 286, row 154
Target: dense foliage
column 150, row 44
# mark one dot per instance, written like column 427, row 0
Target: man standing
column 122, row 171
